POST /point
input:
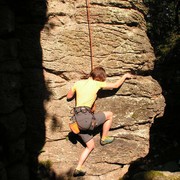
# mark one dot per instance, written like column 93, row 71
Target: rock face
column 40, row 62
column 120, row 44
column 119, row 39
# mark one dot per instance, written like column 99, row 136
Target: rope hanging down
column 90, row 32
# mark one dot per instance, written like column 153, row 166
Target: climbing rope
column 90, row 32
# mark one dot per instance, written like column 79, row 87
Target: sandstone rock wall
column 40, row 62
column 120, row 44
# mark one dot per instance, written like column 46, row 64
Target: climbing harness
column 78, row 123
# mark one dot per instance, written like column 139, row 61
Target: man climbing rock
column 87, row 120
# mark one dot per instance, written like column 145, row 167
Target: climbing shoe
column 78, row 173
column 107, row 140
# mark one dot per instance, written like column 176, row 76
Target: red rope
column 90, row 31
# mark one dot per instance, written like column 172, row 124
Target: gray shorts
column 84, row 120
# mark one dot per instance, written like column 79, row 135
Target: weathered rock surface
column 40, row 63
column 120, row 44
column 119, row 39
column 134, row 111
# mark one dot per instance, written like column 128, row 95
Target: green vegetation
column 163, row 27
column 44, row 169
column 47, row 164
column 155, row 175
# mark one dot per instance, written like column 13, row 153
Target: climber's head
column 98, row 74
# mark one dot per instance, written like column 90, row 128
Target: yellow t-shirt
column 86, row 91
